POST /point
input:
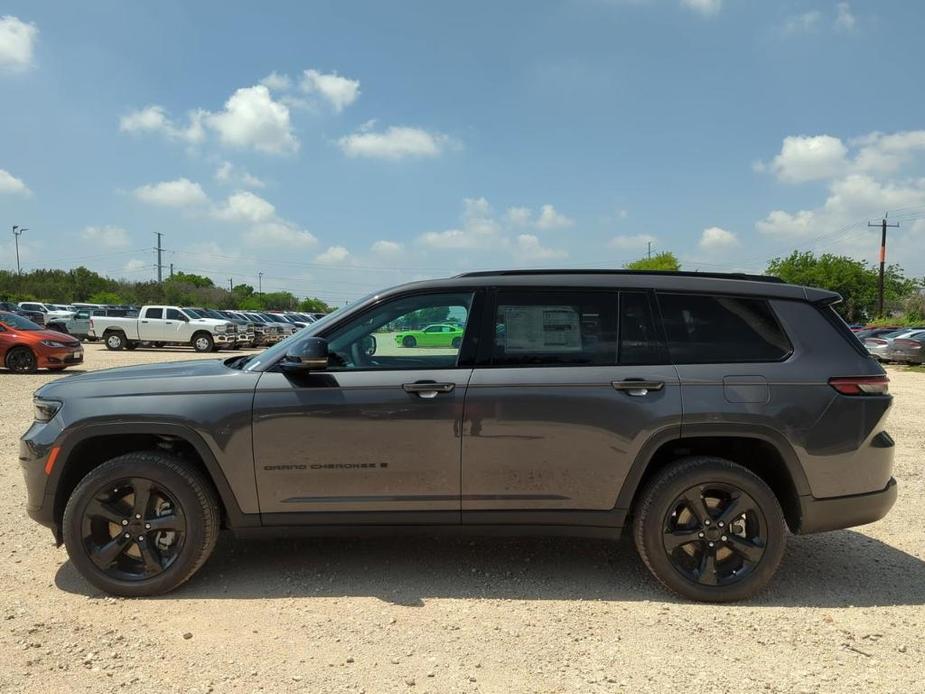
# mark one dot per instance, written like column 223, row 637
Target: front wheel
column 710, row 530
column 140, row 524
column 409, row 341
column 203, row 342
column 21, row 360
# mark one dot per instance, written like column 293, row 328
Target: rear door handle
column 637, row 387
column 428, row 390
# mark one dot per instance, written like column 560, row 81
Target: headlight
column 45, row 409
column 52, row 343
column 219, row 328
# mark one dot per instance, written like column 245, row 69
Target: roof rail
column 657, row 273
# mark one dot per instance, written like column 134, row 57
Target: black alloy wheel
column 409, row 341
column 21, row 360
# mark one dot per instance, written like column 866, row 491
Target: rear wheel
column 115, row 341
column 140, row 524
column 21, row 360
column 203, row 342
column 710, row 530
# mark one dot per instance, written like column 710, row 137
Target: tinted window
column 718, row 329
column 640, row 342
column 555, row 329
column 173, row 314
column 154, row 313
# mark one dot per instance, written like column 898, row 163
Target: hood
column 48, row 335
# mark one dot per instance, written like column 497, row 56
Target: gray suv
column 706, row 414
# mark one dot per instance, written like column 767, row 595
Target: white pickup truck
column 163, row 325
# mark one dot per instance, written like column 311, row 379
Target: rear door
column 570, row 386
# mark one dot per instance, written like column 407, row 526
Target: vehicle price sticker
column 541, row 329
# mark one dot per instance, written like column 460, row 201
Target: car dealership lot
column 846, row 611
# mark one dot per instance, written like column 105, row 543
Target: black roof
column 657, row 273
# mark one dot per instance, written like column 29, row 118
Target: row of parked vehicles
column 902, row 345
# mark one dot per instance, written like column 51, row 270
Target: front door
column 377, row 432
column 561, row 404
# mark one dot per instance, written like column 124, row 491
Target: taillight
column 874, row 341
column 861, row 385
column 907, row 344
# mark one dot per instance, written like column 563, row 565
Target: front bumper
column 819, row 515
column 224, row 338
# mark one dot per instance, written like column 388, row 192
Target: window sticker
column 541, row 329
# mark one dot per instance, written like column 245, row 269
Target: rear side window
column 640, row 342
column 719, row 329
column 569, row 328
column 154, row 313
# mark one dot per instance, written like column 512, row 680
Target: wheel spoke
column 707, row 570
column 171, row 521
column 675, row 539
column 101, row 509
column 741, row 503
column 694, row 500
column 106, row 554
column 142, row 492
column 150, row 557
column 746, row 548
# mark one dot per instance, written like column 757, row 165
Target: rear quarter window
column 704, row 329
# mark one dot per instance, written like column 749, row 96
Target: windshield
column 270, row 355
column 11, row 320
column 211, row 313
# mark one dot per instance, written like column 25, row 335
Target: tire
column 21, row 360
column 115, row 341
column 409, row 341
column 171, row 557
column 159, row 345
column 745, row 552
column 202, row 342
column 457, row 341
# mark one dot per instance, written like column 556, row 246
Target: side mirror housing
column 310, row 354
column 369, row 345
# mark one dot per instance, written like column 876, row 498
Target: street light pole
column 260, row 283
column 17, row 232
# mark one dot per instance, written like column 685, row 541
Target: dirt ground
column 846, row 612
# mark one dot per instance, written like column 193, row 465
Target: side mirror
column 310, row 354
column 368, row 344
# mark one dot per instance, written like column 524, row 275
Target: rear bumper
column 819, row 515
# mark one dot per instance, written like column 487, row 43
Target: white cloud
column 479, row 228
column 339, row 91
column 550, row 219
column 280, row 234
column 12, row 185
column 397, row 142
column 844, row 18
column 333, row 255
column 179, row 193
column 135, row 265
column 632, row 242
column 704, row 7
column 230, row 174
column 245, row 206
column 154, row 119
column 528, row 247
column 252, row 119
column 802, row 23
column 519, row 216
column 17, row 43
column 276, row 81
column 106, row 236
column 717, row 239
column 804, row 158
column 386, row 247
column 884, row 153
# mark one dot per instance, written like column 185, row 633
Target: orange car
column 26, row 347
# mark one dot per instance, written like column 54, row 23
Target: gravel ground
column 845, row 613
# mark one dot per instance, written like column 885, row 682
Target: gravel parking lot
column 845, row 613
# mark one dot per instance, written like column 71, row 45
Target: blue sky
column 340, row 147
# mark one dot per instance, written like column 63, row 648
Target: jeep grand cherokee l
column 706, row 413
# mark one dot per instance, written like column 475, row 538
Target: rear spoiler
column 821, row 297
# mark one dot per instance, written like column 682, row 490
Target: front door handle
column 428, row 390
column 637, row 387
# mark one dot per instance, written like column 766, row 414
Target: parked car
column 26, row 347
column 569, row 418
column 164, row 325
column 437, row 335
column 285, row 327
column 36, row 317
column 79, row 325
column 51, row 312
column 881, row 346
column 243, row 329
column 909, row 349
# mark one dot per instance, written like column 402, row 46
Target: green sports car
column 437, row 335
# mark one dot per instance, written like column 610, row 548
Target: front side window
column 395, row 335
column 154, row 313
column 569, row 328
column 718, row 329
column 174, row 314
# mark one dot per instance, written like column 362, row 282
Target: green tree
column 665, row 260
column 314, row 305
column 106, row 298
column 190, row 279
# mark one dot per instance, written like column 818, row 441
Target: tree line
column 181, row 289
column 856, row 281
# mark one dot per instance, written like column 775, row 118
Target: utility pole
column 230, row 285
column 160, row 264
column 260, row 283
column 649, row 253
column 171, row 269
column 883, row 226
column 17, row 232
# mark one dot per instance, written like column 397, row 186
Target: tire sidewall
column 147, row 467
column 115, row 341
column 665, row 489
column 19, row 350
column 208, row 339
